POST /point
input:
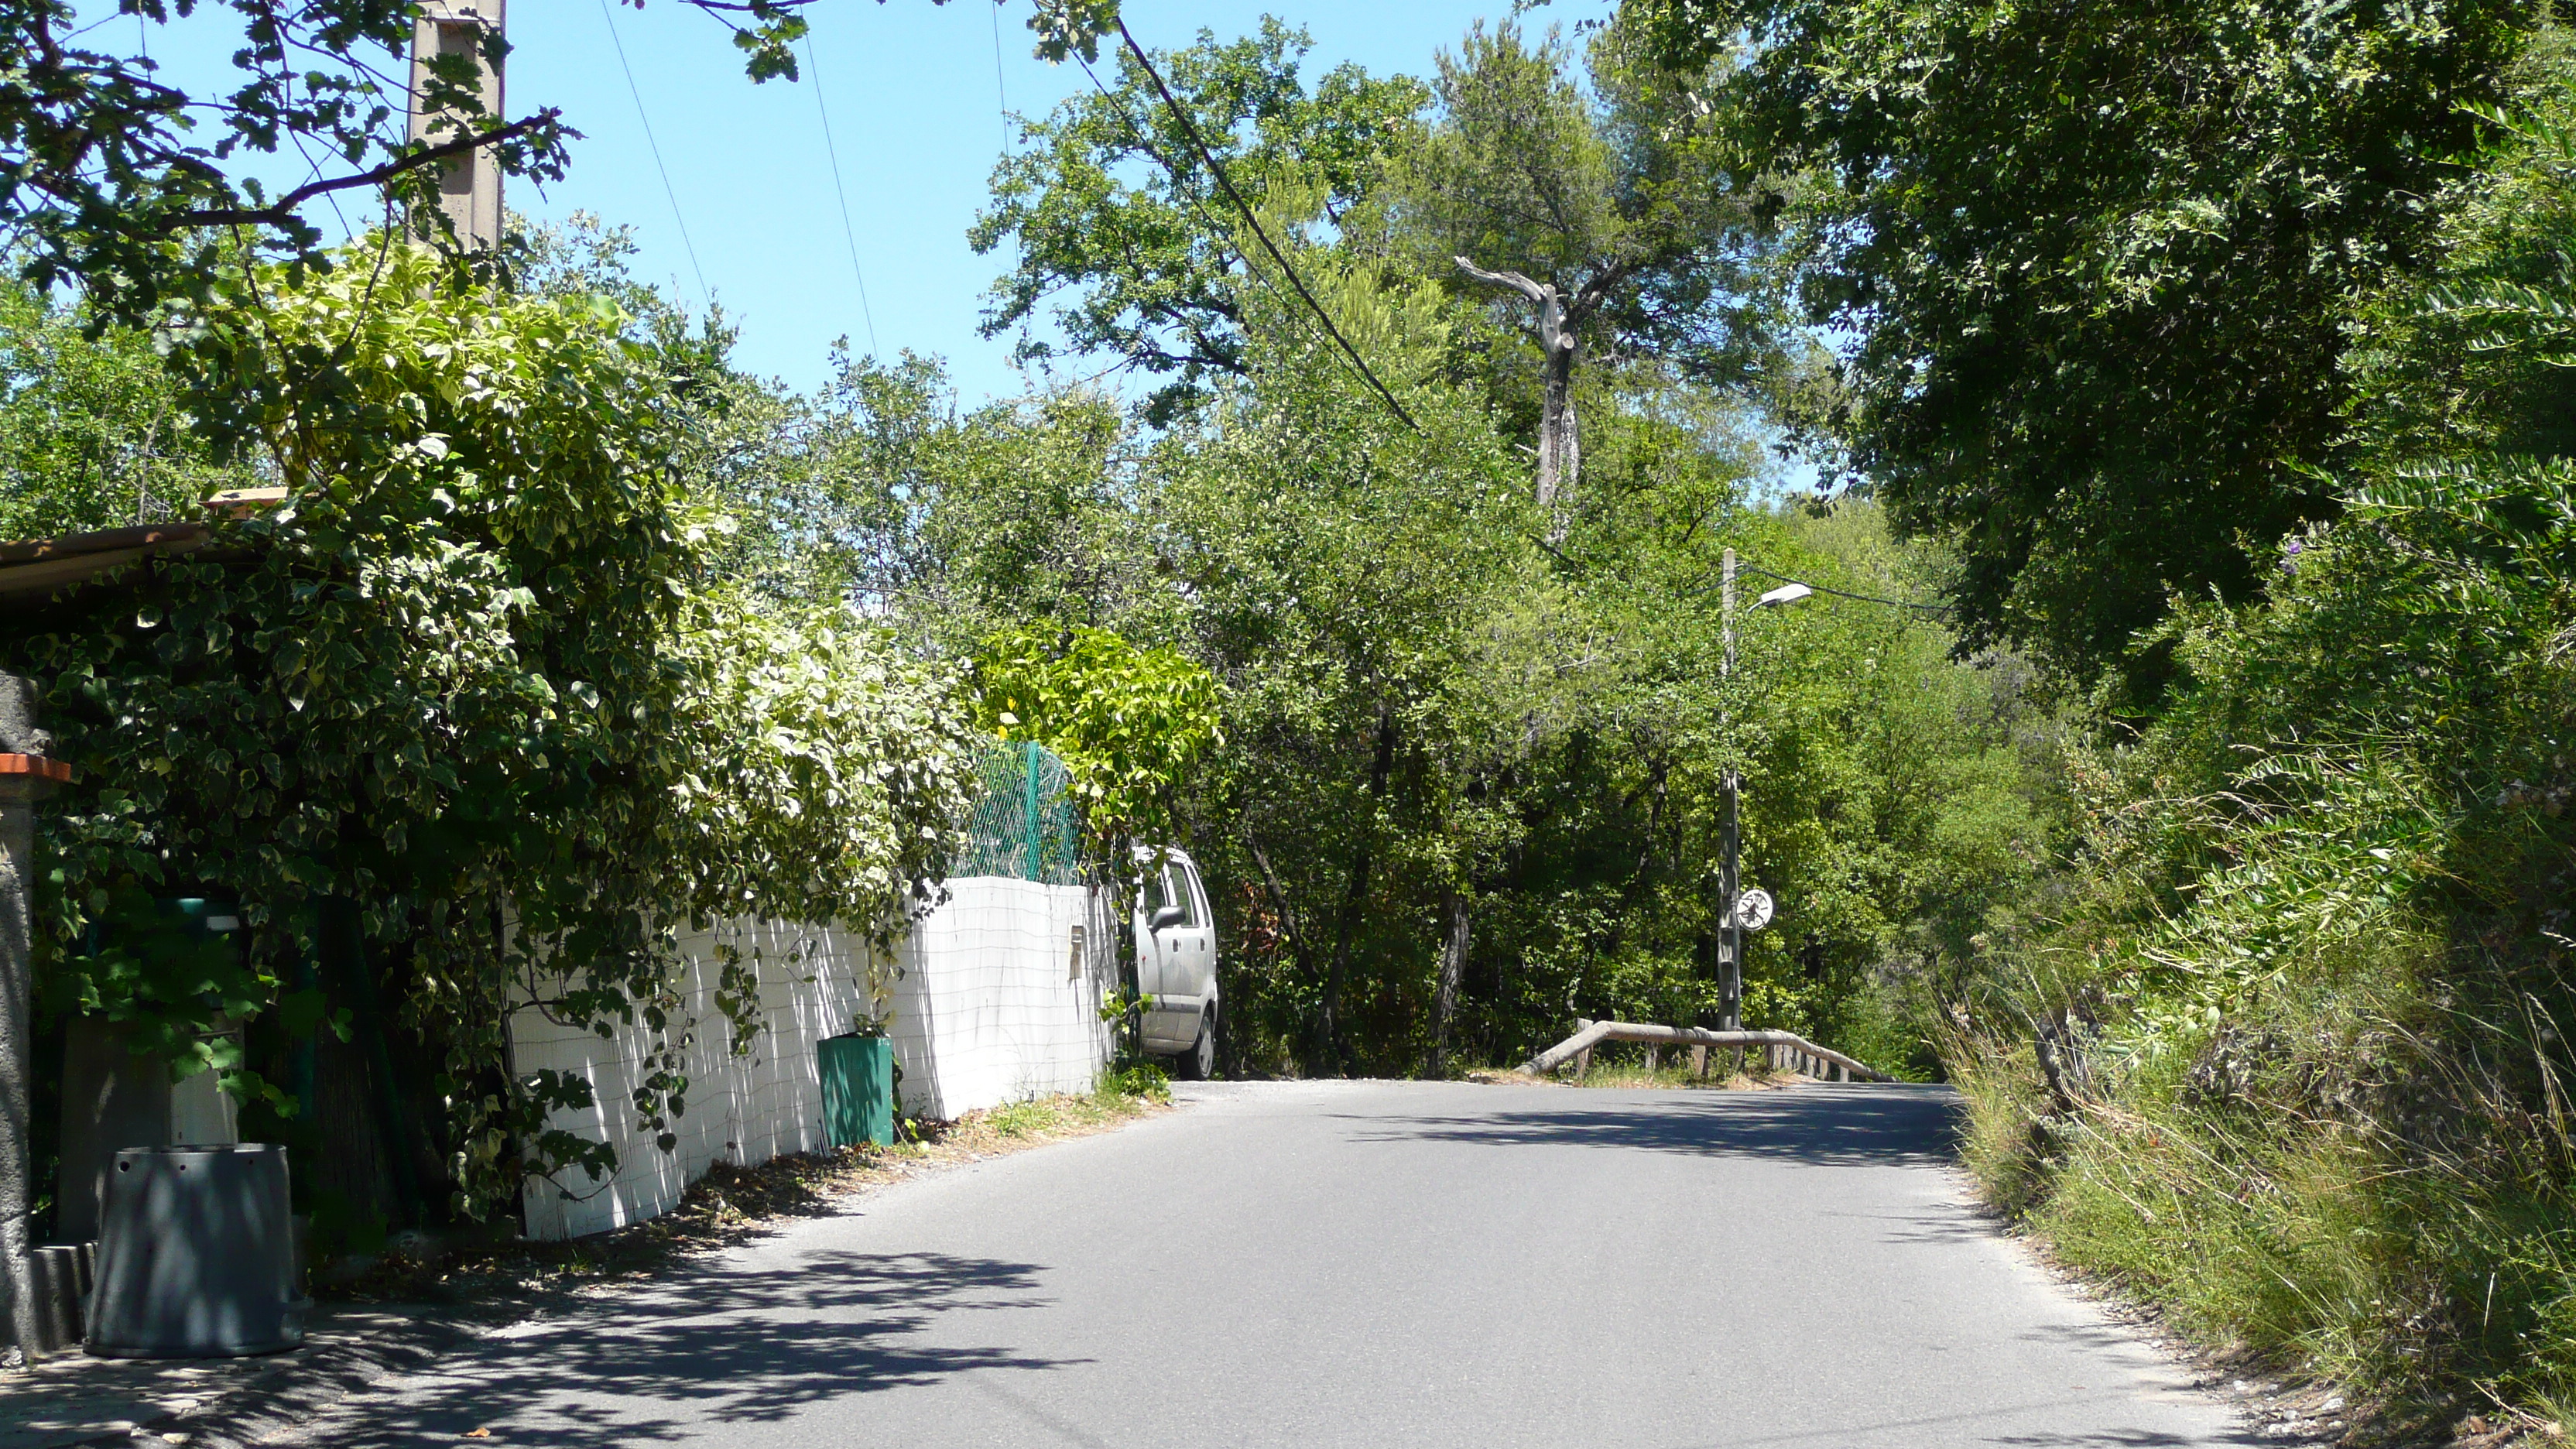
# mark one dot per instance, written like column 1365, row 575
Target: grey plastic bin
column 196, row 1255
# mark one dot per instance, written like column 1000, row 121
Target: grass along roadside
column 2379, row 1253
column 732, row 1204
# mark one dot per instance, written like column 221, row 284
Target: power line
column 1190, row 131
column 1198, row 207
column 704, row 293
column 849, row 232
column 999, row 89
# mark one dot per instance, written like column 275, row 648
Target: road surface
column 1361, row 1264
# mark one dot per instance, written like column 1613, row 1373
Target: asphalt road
column 1362, row 1264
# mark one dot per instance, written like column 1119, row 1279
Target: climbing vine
column 470, row 679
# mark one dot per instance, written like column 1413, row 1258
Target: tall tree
column 2096, row 260
column 1604, row 211
column 1112, row 210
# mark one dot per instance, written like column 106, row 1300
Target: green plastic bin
column 858, row 1090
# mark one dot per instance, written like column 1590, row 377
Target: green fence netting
column 1023, row 824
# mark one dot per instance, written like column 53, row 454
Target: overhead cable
column 704, row 293
column 1190, row 132
column 1001, row 91
column 849, row 232
column 1199, row 207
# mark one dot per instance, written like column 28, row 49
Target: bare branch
column 284, row 207
column 1597, row 289
column 1536, row 292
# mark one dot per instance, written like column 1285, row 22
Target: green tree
column 92, row 434
column 2095, row 268
column 1608, row 211
column 1111, row 203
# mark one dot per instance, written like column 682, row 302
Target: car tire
column 1199, row 1062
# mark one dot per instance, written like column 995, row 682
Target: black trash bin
column 196, row 1255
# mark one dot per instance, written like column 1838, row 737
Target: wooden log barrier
column 1778, row 1046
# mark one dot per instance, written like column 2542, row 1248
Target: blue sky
column 915, row 97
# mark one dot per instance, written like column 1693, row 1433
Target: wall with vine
column 473, row 683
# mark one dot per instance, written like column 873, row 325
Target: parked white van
column 1176, row 961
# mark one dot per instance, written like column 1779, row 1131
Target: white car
column 1176, row 961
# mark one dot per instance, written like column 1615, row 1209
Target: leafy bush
column 1129, row 723
column 472, row 679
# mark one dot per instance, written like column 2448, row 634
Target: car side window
column 1199, row 914
column 1176, row 889
column 1157, row 895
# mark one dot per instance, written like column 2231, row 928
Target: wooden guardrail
column 1787, row 1050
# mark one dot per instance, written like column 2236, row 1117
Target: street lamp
column 1730, row 988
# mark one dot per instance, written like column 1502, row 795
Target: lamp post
column 1730, row 987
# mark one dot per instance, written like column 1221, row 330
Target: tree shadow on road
column 719, row 1345
column 1832, row 1127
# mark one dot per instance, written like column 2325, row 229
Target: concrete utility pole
column 469, row 186
column 1730, row 989
column 26, row 776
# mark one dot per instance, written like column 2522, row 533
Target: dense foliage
column 1468, row 787
column 473, row 678
column 91, row 428
column 1130, row 724
column 2285, row 1049
column 2094, row 264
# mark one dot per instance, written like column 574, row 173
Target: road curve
column 1311, row 1265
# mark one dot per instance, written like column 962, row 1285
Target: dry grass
column 729, row 1206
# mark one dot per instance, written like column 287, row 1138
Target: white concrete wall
column 993, row 1006
column 986, row 1003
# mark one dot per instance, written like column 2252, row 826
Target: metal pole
column 1029, row 790
column 1730, row 982
column 26, row 776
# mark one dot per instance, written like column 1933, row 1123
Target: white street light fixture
column 1785, row 594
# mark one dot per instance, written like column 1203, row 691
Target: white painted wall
column 993, row 1005
column 987, row 1002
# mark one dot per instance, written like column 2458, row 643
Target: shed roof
column 36, row 569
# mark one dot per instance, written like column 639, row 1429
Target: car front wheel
column 1199, row 1062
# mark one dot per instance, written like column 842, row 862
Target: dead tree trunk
column 1560, row 444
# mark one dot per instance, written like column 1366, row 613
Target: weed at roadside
column 731, row 1204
